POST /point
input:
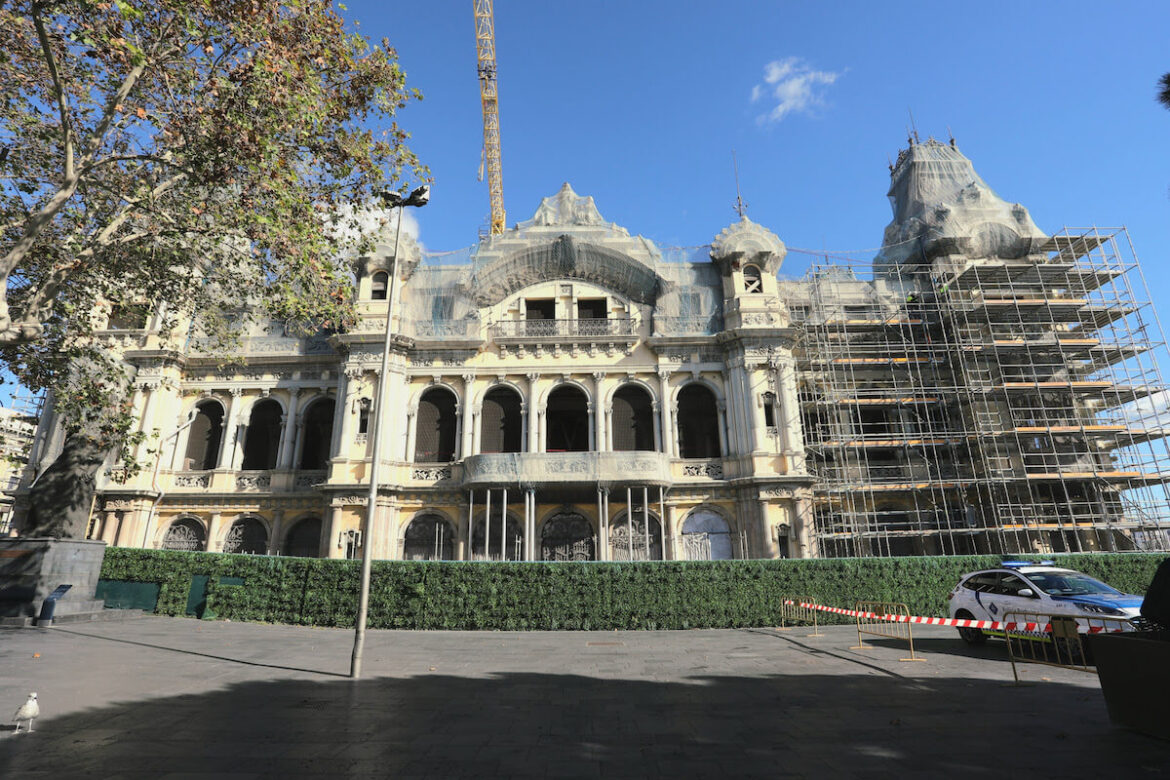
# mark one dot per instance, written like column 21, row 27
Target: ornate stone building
column 571, row 392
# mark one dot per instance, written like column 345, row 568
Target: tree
column 183, row 154
column 1164, row 90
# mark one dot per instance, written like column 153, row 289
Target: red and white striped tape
column 987, row 625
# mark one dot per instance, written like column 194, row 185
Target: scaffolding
column 954, row 405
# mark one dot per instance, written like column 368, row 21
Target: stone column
column 339, row 412
column 411, row 431
column 232, row 435
column 213, row 525
column 666, row 432
column 723, row 427
column 150, row 390
column 789, row 422
column 656, row 412
column 290, row 426
column 277, row 530
column 768, row 546
column 601, row 411
column 675, row 531
column 353, row 377
column 333, row 528
column 534, row 413
column 467, row 437
column 802, row 531
column 592, row 410
column 110, row 527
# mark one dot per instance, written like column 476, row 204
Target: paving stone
column 162, row 697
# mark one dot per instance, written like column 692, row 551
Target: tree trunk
column 61, row 500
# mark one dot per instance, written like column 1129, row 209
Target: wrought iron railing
column 562, row 328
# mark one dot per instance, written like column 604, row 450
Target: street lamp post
column 417, row 198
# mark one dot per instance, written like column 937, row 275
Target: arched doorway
column 185, row 534
column 501, row 423
column 247, row 536
column 506, row 544
column 567, row 536
column 262, row 440
column 434, row 439
column 706, row 537
column 303, row 540
column 629, row 541
column 567, row 420
column 698, row 422
column 318, row 435
column 204, row 437
column 428, row 538
column 632, row 419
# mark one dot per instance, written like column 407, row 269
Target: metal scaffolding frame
column 957, row 405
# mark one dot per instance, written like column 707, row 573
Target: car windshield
column 1069, row 583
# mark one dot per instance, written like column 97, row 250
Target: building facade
column 571, row 392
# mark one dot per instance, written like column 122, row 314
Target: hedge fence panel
column 565, row 596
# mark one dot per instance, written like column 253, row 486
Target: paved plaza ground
column 181, row 698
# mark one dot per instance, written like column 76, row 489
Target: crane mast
column 485, row 49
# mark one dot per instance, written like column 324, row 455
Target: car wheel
column 972, row 636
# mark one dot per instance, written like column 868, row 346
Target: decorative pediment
column 564, row 258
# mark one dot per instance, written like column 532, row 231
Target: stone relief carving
column 192, row 480
column 253, row 481
column 432, row 474
column 712, row 469
column 349, row 501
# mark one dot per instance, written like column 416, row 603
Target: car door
column 1005, row 596
column 979, row 593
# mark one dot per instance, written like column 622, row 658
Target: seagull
column 27, row 713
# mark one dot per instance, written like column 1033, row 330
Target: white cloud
column 794, row 86
column 350, row 223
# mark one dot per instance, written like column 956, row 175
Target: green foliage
column 565, row 596
column 190, row 155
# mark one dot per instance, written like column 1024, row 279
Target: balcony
column 592, row 329
column 567, row 468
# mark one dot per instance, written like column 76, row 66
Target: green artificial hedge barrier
column 555, row 596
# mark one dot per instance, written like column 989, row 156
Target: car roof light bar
column 1018, row 564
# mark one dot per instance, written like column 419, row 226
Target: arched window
column 698, row 422
column 304, row 539
column 247, row 536
column 263, row 437
column 567, row 420
column 378, row 285
column 632, row 419
column 501, row 423
column 434, row 439
column 753, row 282
column 318, row 435
column 506, row 544
column 429, row 538
column 567, row 536
column 204, row 437
column 185, row 534
column 706, row 537
column 629, row 541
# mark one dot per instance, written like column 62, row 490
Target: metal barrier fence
column 1054, row 640
column 798, row 609
column 885, row 619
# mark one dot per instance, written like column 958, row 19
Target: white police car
column 1043, row 588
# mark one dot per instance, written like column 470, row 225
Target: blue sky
column 640, row 104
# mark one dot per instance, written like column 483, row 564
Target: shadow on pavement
column 439, row 725
column 182, row 651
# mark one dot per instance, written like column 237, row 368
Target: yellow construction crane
column 485, row 49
